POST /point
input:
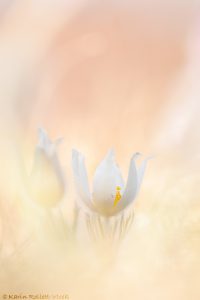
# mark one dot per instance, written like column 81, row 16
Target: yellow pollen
column 118, row 195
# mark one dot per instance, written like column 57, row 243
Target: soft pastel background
column 122, row 74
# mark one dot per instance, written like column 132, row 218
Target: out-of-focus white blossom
column 46, row 182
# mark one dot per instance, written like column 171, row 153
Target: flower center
column 118, row 196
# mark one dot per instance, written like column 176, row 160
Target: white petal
column 81, row 178
column 83, row 175
column 131, row 188
column 107, row 177
column 45, row 143
column 43, row 138
column 49, row 148
column 46, row 182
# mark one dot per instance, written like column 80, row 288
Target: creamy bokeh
column 114, row 74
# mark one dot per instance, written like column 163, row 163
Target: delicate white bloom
column 110, row 194
column 46, row 181
column 106, row 215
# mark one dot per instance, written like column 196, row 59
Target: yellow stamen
column 118, row 195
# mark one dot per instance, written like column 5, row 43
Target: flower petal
column 107, row 177
column 81, row 178
column 46, row 181
column 45, row 143
column 131, row 188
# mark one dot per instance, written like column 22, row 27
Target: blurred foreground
column 122, row 75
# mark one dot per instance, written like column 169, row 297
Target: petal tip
column 136, row 155
column 41, row 131
column 110, row 154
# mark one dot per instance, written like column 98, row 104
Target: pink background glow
column 103, row 74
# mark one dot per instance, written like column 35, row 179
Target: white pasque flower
column 46, row 181
column 110, row 196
